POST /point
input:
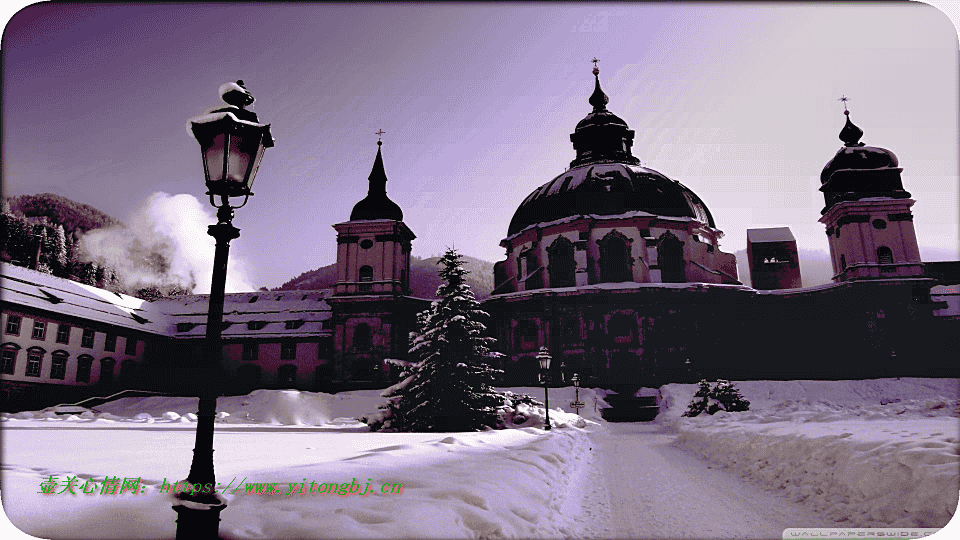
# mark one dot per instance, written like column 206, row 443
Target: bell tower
column 373, row 248
column 867, row 212
column 373, row 313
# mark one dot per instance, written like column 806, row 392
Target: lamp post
column 232, row 144
column 544, row 358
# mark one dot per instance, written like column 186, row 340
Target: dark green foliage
column 74, row 216
column 448, row 386
column 722, row 397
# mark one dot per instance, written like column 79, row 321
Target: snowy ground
column 850, row 453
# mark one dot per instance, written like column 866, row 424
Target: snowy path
column 642, row 487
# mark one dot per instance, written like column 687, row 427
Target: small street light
column 576, row 385
column 544, row 358
column 232, row 142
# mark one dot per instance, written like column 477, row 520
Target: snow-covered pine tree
column 448, row 386
column 729, row 397
column 698, row 406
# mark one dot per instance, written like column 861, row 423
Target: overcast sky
column 737, row 101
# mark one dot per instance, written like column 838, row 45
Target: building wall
column 109, row 369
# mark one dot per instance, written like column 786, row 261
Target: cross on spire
column 379, row 133
column 596, row 70
column 844, row 99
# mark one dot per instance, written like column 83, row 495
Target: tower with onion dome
column 867, row 212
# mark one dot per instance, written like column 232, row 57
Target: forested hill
column 74, row 216
column 424, row 278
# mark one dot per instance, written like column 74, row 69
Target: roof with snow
column 260, row 314
column 32, row 289
column 772, row 234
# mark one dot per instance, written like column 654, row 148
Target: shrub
column 722, row 397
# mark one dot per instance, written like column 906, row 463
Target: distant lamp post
column 232, row 143
column 576, row 405
column 544, row 358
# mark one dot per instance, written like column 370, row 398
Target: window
column 131, row 347
column 366, row 273
column 288, row 350
column 39, row 330
column 84, row 364
column 256, row 325
column 127, row 369
column 8, row 362
column 106, row 370
column 561, row 264
column 527, row 337
column 843, row 262
column 621, row 328
column 534, row 274
column 615, row 261
column 362, row 337
column 58, row 367
column 571, row 332
column 186, row 326
column 13, row 325
column 34, row 361
column 249, row 375
column 366, row 243
column 293, row 325
column 884, row 255
column 110, row 342
column 670, row 259
column 250, row 351
column 63, row 334
column 86, row 340
column 287, row 376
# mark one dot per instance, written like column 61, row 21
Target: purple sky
column 738, row 102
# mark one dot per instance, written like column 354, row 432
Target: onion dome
column 606, row 179
column 376, row 205
column 859, row 171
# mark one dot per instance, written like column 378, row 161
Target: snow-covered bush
column 722, row 397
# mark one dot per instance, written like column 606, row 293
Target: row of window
column 620, row 328
column 616, row 264
column 251, row 325
column 884, row 256
column 58, row 366
column 39, row 333
column 288, row 351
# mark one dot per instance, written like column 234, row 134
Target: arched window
column 527, row 338
column 34, row 361
column 362, row 337
column 366, row 276
column 615, row 260
column 106, row 370
column 670, row 259
column 8, row 362
column 84, row 364
column 884, row 255
column 621, row 328
column 561, row 264
column 127, row 368
column 58, row 366
column 287, row 376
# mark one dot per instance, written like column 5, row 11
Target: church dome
column 376, row 205
column 606, row 179
column 859, row 171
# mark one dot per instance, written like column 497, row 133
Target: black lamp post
column 232, row 143
column 544, row 358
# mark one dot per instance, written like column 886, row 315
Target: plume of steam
column 164, row 242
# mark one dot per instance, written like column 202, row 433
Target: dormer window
column 181, row 327
column 293, row 325
column 256, row 325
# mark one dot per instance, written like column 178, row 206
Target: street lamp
column 231, row 143
column 544, row 358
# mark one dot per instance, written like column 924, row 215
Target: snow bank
column 867, row 453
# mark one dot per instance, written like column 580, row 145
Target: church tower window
column 561, row 264
column 884, row 255
column 615, row 261
column 670, row 259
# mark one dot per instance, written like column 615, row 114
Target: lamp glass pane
column 238, row 160
column 213, row 158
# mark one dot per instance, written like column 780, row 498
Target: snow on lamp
column 232, row 142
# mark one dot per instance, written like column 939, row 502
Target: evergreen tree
column 722, row 397
column 448, row 386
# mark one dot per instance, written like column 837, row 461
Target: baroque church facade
column 612, row 266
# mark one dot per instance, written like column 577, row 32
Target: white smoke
column 164, row 242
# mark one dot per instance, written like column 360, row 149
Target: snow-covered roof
column 597, row 217
column 37, row 290
column 260, row 314
column 625, row 286
column 772, row 234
